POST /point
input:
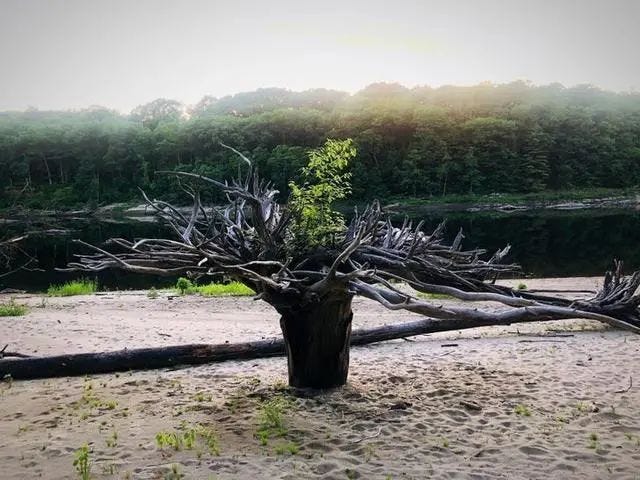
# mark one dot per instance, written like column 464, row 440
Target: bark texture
column 317, row 343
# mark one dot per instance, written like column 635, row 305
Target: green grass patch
column 235, row 289
column 271, row 419
column 76, row 287
column 291, row 448
column 12, row 309
column 434, row 296
column 232, row 289
column 190, row 437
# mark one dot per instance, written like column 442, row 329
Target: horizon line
column 351, row 93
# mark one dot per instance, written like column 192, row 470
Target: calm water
column 545, row 243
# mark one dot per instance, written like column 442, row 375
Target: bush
column 12, row 309
column 83, row 286
column 184, row 285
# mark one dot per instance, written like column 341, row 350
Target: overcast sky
column 62, row 54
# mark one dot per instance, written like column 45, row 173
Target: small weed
column 210, row 438
column 522, row 286
column 271, row 422
column 233, row 403
column 369, row 452
column 12, row 309
column 593, row 440
column 280, row 386
column 76, row 287
column 290, row 448
column 174, row 473
column 91, row 400
column 445, row 443
column 169, row 439
column 202, row 397
column 191, row 436
column 584, row 407
column 82, row 463
column 112, row 441
column 189, row 439
column 351, row 474
column 633, row 438
column 522, row 410
column 110, row 469
column 152, row 293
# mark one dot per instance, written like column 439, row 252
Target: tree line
column 422, row 142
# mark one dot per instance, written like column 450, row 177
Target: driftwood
column 9, row 248
column 5, row 354
column 252, row 241
column 196, row 354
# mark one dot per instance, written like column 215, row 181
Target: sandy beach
column 554, row 400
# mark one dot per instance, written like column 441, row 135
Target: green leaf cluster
column 325, row 180
column 82, row 463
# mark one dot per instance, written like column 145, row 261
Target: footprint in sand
column 534, row 451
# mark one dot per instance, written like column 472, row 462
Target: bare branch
column 250, row 240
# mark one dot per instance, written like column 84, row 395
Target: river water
column 546, row 243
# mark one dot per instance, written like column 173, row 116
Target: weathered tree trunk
column 317, row 342
column 172, row 356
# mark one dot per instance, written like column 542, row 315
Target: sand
column 548, row 400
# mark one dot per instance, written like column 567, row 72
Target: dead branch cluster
column 10, row 248
column 250, row 240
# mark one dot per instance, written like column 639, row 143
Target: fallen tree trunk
column 195, row 354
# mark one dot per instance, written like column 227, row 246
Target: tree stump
column 317, row 340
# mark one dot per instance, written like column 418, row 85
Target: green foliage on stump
column 324, row 181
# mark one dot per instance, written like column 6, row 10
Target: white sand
column 412, row 410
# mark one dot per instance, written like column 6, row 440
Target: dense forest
column 422, row 142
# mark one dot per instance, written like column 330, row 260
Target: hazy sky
column 61, row 54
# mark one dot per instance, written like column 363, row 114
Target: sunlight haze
column 70, row 54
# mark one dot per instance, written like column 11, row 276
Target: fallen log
column 196, row 354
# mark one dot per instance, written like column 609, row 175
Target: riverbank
column 505, row 202
column 598, row 198
column 543, row 400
